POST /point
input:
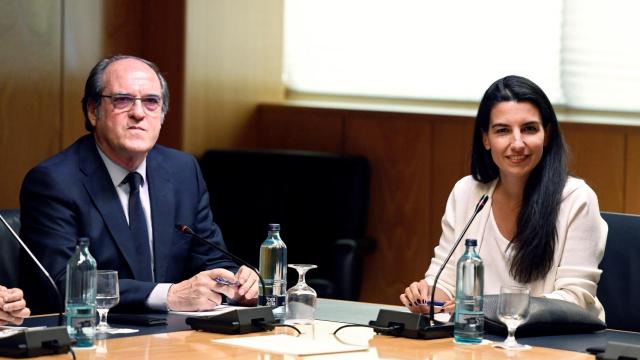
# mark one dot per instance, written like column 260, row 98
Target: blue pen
column 223, row 281
column 428, row 303
column 436, row 303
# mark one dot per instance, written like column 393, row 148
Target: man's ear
column 92, row 113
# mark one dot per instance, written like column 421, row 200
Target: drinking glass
column 513, row 310
column 301, row 298
column 108, row 296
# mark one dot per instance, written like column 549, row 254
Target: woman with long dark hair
column 541, row 227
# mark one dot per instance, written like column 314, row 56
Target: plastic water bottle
column 273, row 269
column 469, row 315
column 81, row 295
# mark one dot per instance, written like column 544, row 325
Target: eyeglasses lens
column 150, row 103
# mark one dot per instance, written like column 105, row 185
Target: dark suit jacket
column 71, row 195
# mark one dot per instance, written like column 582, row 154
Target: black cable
column 273, row 326
column 377, row 328
column 73, row 354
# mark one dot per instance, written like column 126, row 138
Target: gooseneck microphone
column 415, row 326
column 239, row 321
column 42, row 269
column 187, row 230
column 39, row 341
column 481, row 203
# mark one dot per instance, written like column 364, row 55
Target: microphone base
column 36, row 342
column 413, row 326
column 239, row 321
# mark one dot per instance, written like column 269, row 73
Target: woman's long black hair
column 535, row 239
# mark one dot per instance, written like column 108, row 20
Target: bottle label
column 271, row 300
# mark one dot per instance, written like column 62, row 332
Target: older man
column 124, row 192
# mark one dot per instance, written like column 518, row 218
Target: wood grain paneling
column 398, row 151
column 233, row 61
column 450, row 157
column 597, row 155
column 82, row 46
column 300, row 128
column 163, row 43
column 632, row 175
column 30, row 95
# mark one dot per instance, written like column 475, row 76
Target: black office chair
column 9, row 249
column 618, row 288
column 319, row 199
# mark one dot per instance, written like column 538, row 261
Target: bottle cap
column 274, row 227
column 471, row 242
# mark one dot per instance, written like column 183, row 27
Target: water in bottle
column 273, row 269
column 469, row 315
column 81, row 295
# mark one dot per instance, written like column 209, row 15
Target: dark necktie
column 138, row 225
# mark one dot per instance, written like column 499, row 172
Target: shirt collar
column 118, row 173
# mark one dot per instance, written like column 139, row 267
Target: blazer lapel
column 104, row 196
column 161, row 196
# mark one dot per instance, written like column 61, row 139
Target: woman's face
column 516, row 138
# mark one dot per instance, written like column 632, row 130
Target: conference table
column 177, row 341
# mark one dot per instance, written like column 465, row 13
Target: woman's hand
column 416, row 298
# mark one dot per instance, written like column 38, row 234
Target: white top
column 582, row 235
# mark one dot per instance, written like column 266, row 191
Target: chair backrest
column 619, row 286
column 317, row 198
column 9, row 249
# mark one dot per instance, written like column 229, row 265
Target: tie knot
column 134, row 179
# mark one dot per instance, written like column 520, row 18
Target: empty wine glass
column 108, row 296
column 513, row 310
column 301, row 298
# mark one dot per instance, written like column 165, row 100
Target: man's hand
column 247, row 292
column 201, row 292
column 13, row 308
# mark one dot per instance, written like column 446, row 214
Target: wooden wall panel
column 30, row 96
column 300, row 128
column 450, row 157
column 233, row 61
column 632, row 175
column 82, row 46
column 397, row 147
column 597, row 155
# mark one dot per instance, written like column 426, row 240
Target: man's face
column 129, row 132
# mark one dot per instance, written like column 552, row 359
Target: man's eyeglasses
column 124, row 102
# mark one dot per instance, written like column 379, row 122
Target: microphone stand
column 187, row 230
column 239, row 321
column 481, row 203
column 42, row 269
column 36, row 342
column 415, row 326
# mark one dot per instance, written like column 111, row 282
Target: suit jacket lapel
column 104, row 196
column 161, row 196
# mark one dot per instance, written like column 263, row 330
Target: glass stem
column 511, row 337
column 103, row 317
column 301, row 273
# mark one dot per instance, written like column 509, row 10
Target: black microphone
column 187, row 230
column 42, row 269
column 238, row 321
column 414, row 325
column 28, row 343
column 481, row 203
